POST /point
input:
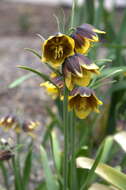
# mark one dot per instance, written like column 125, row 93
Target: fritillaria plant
column 70, row 81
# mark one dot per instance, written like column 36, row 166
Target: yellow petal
column 68, row 81
column 84, row 81
column 84, row 48
column 51, row 89
column 82, row 113
column 99, row 31
column 92, row 66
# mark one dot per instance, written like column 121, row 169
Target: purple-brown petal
column 79, row 41
column 73, row 65
column 75, row 91
column 82, row 91
column 85, row 90
column 84, row 60
column 87, row 27
column 84, row 33
column 58, row 81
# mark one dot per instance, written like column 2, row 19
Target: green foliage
column 49, row 177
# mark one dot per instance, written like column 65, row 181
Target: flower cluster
column 67, row 54
column 12, row 122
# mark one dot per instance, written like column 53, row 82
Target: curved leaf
column 108, row 173
column 49, row 176
column 42, row 75
column 20, row 80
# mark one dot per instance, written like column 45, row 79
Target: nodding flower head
column 83, row 101
column 78, row 70
column 54, row 90
column 83, row 36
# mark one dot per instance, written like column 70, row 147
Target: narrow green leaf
column 20, row 80
column 56, row 150
column 121, row 85
column 97, row 85
column 106, row 172
column 42, row 75
column 90, row 9
column 100, row 62
column 49, row 176
column 93, row 168
column 34, row 52
column 18, row 180
column 5, row 174
column 114, row 71
column 49, row 128
column 27, row 169
column 98, row 13
column 122, row 30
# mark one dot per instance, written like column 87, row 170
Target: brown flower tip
column 5, row 155
column 89, row 31
column 82, row 91
column 58, row 81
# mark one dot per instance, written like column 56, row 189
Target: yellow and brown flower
column 78, row 70
column 54, row 90
column 10, row 122
column 83, row 101
column 29, row 127
column 83, row 36
column 56, row 48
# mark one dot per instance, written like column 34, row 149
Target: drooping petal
column 78, row 70
column 82, row 44
column 83, row 81
column 51, row 89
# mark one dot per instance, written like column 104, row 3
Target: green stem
column 72, row 146
column 18, row 185
column 66, row 138
column 5, row 175
column 73, row 12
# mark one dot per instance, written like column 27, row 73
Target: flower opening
column 56, row 48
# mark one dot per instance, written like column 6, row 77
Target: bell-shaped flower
column 83, row 36
column 83, row 101
column 78, row 70
column 56, row 48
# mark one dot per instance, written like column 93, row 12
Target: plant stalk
column 72, row 147
column 74, row 3
column 66, row 138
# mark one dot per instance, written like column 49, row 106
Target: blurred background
column 20, row 21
